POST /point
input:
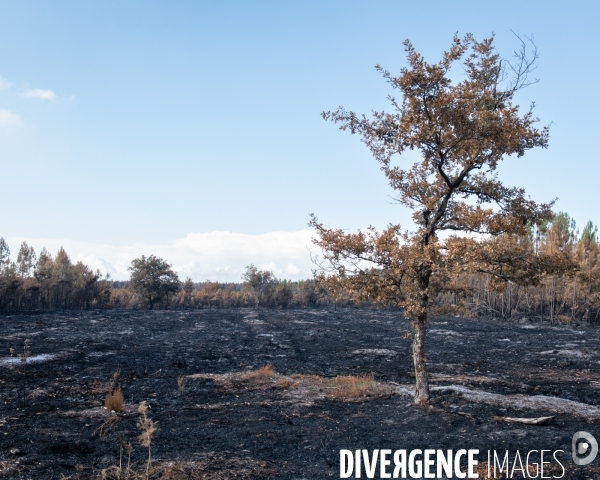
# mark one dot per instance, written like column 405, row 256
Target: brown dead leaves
column 462, row 130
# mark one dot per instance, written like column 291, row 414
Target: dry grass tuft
column 350, row 387
column 284, row 383
column 12, row 467
column 261, row 375
column 147, row 428
column 212, row 467
column 114, row 401
column 181, row 381
column 345, row 387
column 107, row 424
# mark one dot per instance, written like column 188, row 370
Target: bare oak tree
column 462, row 131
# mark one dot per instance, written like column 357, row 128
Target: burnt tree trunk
column 420, row 328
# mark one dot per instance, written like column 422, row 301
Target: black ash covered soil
column 53, row 424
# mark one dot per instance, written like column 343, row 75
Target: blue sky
column 133, row 125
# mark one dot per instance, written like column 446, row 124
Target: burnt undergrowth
column 247, row 393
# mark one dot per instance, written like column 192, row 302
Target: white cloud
column 271, row 266
column 9, row 119
column 292, row 269
column 5, row 83
column 220, row 256
column 40, row 94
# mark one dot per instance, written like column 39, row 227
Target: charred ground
column 219, row 421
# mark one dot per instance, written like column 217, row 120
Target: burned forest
column 472, row 331
column 272, row 393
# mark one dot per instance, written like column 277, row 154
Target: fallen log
column 526, row 421
column 556, row 405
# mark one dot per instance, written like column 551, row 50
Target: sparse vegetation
column 114, row 401
column 181, row 381
column 350, row 386
column 211, row 467
column 343, row 387
column 284, row 383
column 147, row 428
column 261, row 375
column 23, row 356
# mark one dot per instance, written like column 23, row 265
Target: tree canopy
column 462, row 130
column 262, row 282
column 153, row 279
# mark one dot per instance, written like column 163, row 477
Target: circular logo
column 584, row 443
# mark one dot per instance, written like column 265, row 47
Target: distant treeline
column 45, row 282
column 48, row 283
column 573, row 298
column 284, row 294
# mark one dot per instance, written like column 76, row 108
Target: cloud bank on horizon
column 217, row 256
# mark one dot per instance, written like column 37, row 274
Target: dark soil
column 53, row 422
